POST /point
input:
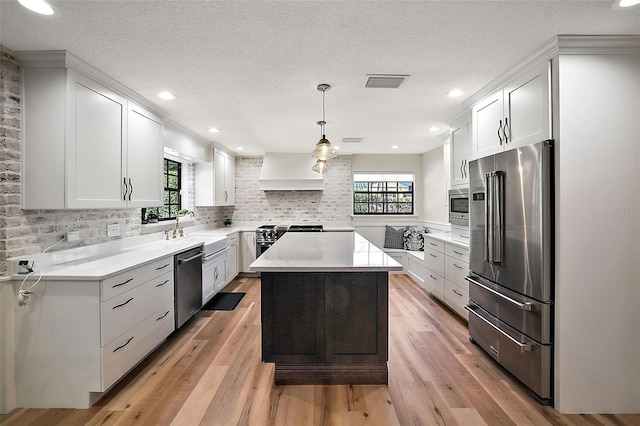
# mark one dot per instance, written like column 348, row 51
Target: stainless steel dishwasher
column 187, row 284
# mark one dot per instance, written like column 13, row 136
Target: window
column 390, row 194
column 172, row 200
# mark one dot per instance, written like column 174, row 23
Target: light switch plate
column 113, row 230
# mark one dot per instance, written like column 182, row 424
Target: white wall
column 435, row 187
column 597, row 349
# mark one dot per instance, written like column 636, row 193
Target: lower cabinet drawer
column 124, row 311
column 455, row 270
column 128, row 350
column 434, row 260
column 416, row 269
column 456, row 298
column 434, row 284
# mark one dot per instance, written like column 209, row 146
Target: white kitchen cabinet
column 247, row 250
column 515, row 115
column 446, row 264
column 459, row 145
column 415, row 266
column 86, row 145
column 216, row 181
column 231, row 264
column 78, row 338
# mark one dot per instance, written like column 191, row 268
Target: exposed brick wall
column 330, row 205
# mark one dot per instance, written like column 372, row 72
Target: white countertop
column 324, row 252
column 447, row 239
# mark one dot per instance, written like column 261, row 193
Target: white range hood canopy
column 284, row 171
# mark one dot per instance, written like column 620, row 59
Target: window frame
column 391, row 188
column 167, row 193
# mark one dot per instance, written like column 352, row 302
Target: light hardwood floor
column 210, row 373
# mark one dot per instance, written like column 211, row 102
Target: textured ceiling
column 251, row 68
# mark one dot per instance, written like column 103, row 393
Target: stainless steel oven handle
column 189, row 259
column 524, row 306
column 524, row 346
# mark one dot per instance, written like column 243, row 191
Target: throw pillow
column 413, row 239
column 393, row 238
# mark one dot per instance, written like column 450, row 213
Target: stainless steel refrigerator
column 511, row 262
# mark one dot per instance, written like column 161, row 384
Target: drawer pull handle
column 523, row 346
column 165, row 314
column 122, row 304
column 456, row 292
column 459, row 267
column 126, row 282
column 120, row 347
column 432, row 255
column 463, row 236
column 161, row 284
column 434, row 244
column 162, row 267
column 524, row 306
column 433, row 277
column 458, row 253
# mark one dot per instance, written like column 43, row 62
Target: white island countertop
column 324, row 252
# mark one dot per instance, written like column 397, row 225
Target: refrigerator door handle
column 488, row 220
column 498, row 195
column 523, row 346
column 524, row 306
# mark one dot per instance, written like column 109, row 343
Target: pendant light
column 323, row 150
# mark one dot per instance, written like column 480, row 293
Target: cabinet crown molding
column 563, row 45
column 66, row 59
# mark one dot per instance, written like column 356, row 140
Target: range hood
column 283, row 171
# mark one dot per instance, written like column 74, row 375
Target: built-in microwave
column 459, row 207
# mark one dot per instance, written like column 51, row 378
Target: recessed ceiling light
column 214, row 130
column 240, row 148
column 454, row 93
column 628, row 3
column 395, row 146
column 336, row 148
column 434, row 128
column 166, row 96
column 37, row 6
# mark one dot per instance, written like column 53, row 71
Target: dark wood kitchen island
column 324, row 299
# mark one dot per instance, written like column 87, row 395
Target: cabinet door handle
column 126, row 189
column 123, row 283
column 499, row 130
column 216, row 273
column 162, row 267
column 120, row 347
column 226, row 196
column 506, row 130
column 462, row 169
column 165, row 314
column 131, row 189
column 161, row 284
column 122, row 304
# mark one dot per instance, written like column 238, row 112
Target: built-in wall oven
column 459, row 207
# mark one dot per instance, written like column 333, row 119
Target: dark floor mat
column 224, row 302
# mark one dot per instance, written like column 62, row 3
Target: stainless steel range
column 267, row 235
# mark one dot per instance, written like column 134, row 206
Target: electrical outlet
column 25, row 266
column 73, row 236
column 113, row 230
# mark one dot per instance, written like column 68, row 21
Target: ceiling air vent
column 384, row 81
column 352, row 140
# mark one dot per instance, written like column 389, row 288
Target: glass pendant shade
column 321, row 167
column 323, row 150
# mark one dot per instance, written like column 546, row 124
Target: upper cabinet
column 86, row 145
column 459, row 141
column 518, row 114
column 216, row 181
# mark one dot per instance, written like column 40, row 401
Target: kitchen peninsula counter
column 324, row 299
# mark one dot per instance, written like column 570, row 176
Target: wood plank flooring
column 210, row 373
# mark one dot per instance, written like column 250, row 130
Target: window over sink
column 383, row 193
column 172, row 179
